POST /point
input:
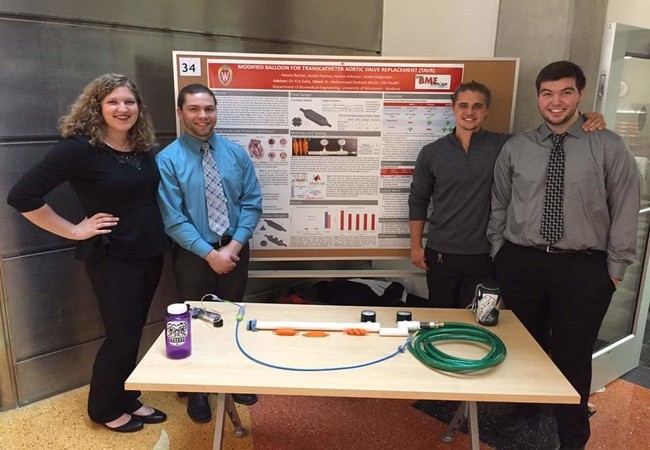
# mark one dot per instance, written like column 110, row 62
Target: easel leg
column 231, row 409
column 456, row 422
column 225, row 404
column 466, row 411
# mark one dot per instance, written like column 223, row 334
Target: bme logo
column 431, row 81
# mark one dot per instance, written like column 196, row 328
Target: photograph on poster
column 329, row 146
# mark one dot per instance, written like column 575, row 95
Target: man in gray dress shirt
column 561, row 290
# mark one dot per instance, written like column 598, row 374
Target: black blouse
column 104, row 180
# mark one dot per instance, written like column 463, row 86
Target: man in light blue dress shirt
column 205, row 262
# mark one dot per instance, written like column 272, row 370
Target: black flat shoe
column 198, row 407
column 135, row 424
column 156, row 416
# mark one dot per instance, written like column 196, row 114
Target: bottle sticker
column 177, row 332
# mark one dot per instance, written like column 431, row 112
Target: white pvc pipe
column 321, row 326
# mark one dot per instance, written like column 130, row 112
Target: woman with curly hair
column 104, row 155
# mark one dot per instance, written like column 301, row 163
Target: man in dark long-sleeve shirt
column 559, row 277
column 454, row 173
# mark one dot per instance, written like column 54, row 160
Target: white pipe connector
column 401, row 331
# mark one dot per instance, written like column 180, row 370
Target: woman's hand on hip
column 100, row 223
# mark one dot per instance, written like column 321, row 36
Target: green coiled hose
column 422, row 347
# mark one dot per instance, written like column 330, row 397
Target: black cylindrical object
column 368, row 316
column 404, row 315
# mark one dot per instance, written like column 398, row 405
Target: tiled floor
column 640, row 375
column 622, row 421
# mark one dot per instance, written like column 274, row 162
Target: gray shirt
column 457, row 184
column 601, row 194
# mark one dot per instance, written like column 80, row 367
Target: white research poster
column 334, row 143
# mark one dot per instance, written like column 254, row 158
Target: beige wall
column 536, row 31
column 468, row 28
column 433, row 28
column 629, row 12
column 543, row 31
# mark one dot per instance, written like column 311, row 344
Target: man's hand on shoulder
column 595, row 122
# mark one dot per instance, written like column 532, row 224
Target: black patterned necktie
column 214, row 197
column 552, row 215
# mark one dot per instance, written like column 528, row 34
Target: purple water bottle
column 178, row 331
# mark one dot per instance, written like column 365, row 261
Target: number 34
column 189, row 66
column 185, row 67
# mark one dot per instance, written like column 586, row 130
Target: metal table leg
column 220, row 416
column 473, row 425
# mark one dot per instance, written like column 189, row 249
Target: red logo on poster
column 225, row 75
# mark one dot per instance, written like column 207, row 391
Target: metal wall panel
column 336, row 23
column 7, row 367
column 51, row 63
column 57, row 372
column 19, row 236
column 48, row 312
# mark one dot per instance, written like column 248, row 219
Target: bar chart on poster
column 334, row 139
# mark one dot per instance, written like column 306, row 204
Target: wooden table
column 218, row 366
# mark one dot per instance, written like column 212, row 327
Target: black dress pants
column 124, row 290
column 195, row 277
column 452, row 278
column 561, row 299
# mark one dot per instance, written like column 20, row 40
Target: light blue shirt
column 181, row 193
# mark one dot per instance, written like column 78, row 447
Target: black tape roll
column 368, row 316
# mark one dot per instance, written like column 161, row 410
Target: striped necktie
column 552, row 226
column 215, row 198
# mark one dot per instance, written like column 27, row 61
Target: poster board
column 334, row 139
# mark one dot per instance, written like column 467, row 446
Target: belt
column 551, row 249
column 225, row 240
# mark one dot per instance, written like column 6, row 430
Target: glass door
column 623, row 97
